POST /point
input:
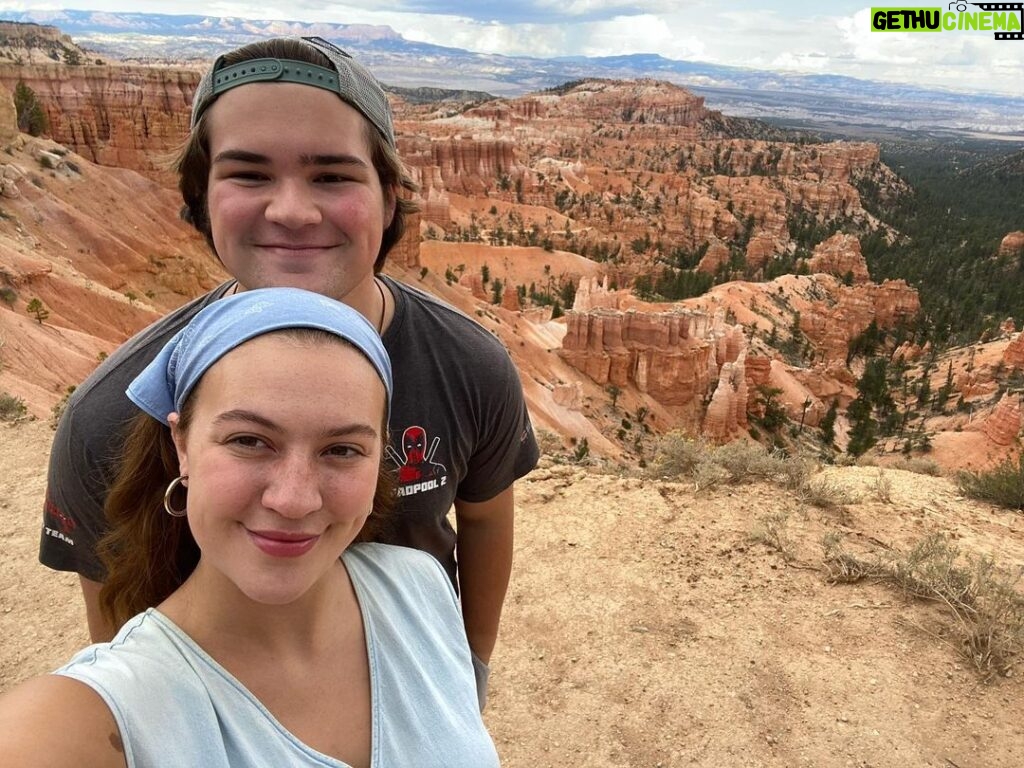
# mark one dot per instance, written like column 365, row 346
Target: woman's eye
column 344, row 451
column 246, row 441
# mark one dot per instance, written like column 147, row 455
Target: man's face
column 294, row 199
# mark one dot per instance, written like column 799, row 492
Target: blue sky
column 783, row 35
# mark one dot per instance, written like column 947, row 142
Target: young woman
column 276, row 638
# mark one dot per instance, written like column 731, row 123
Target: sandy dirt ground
column 645, row 626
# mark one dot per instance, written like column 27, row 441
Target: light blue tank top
column 175, row 705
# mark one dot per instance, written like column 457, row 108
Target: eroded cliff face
column 714, row 364
column 691, row 363
column 99, row 274
column 840, row 256
column 832, row 322
column 123, row 116
column 630, row 172
column 1012, row 244
column 1002, row 425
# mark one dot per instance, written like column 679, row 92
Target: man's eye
column 246, row 176
column 332, row 178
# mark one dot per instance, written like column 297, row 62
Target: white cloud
column 790, row 35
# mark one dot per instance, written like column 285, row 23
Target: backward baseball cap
column 347, row 78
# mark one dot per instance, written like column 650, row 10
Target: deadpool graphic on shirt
column 417, row 470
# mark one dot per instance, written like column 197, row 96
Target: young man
column 291, row 174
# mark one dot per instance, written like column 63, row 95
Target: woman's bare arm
column 56, row 722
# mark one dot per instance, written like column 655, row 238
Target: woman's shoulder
column 405, row 573
column 57, row 721
column 394, row 559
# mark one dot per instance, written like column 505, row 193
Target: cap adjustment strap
column 278, row 70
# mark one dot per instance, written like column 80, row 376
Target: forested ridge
column 964, row 196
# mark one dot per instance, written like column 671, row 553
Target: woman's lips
column 283, row 544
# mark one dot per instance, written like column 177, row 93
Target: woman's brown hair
column 148, row 553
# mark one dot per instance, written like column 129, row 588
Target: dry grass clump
column 841, row 567
column 12, row 408
column 708, row 474
column 824, row 493
column 771, row 531
column 983, row 601
column 747, row 461
column 1002, row 486
column 919, row 465
column 883, row 487
column 680, row 456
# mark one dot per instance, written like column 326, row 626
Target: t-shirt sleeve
column 507, row 448
column 73, row 518
column 86, row 448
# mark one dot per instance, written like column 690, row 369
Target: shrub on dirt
column 771, row 531
column 678, row 455
column 985, row 602
column 12, row 408
column 982, row 599
column 883, row 487
column 841, row 567
column 708, row 474
column 919, row 465
column 1002, row 486
column 796, row 471
column 824, row 493
column 747, row 461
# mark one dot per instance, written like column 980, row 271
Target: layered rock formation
column 465, row 166
column 1012, row 244
column 124, row 116
column 831, row 323
column 726, row 414
column 688, row 362
column 37, row 44
column 1013, row 355
column 840, row 256
column 1003, row 424
column 638, row 102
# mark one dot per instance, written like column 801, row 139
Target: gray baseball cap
column 347, row 78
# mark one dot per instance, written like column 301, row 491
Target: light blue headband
column 165, row 384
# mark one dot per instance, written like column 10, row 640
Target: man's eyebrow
column 342, row 159
column 245, row 156
column 240, row 155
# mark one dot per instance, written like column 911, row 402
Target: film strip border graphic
column 1018, row 7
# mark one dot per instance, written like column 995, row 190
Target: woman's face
column 282, row 454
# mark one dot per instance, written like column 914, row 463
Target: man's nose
column 293, row 205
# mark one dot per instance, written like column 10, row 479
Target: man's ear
column 178, row 435
column 390, row 205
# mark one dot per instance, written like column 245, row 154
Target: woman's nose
column 293, row 490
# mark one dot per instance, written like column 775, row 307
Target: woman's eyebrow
column 355, row 429
column 240, row 414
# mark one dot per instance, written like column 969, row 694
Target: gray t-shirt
column 459, row 429
column 175, row 705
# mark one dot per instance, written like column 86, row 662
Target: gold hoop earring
column 168, row 493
